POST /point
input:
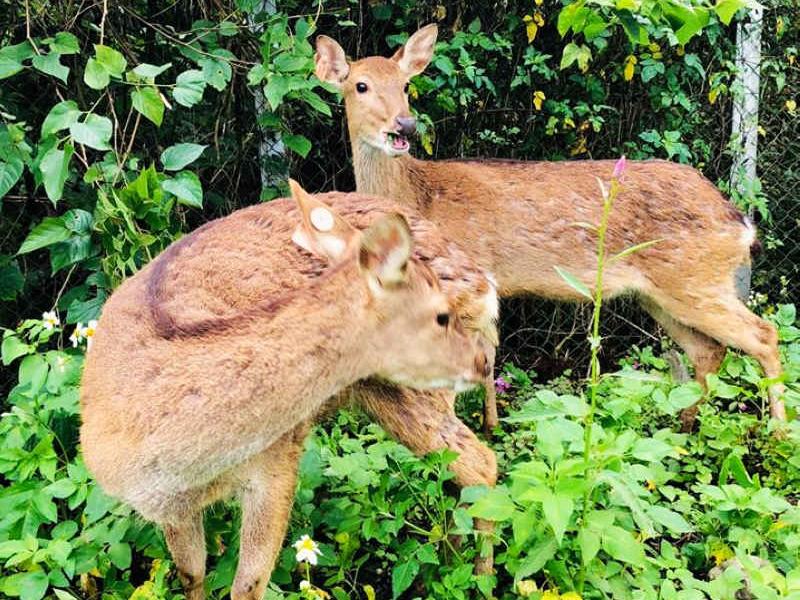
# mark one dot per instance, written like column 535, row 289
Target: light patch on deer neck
column 379, row 174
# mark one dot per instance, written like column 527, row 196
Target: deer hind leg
column 268, row 488
column 426, row 421
column 723, row 317
column 187, row 544
column 705, row 353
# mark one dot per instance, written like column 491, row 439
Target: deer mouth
column 397, row 141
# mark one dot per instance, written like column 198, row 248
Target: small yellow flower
column 307, row 550
column 650, row 485
column 538, row 99
column 526, row 587
column 791, row 106
column 550, row 595
column 630, row 64
column 571, row 596
column 721, row 553
column 50, row 320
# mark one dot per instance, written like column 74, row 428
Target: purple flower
column 501, row 386
column 619, row 168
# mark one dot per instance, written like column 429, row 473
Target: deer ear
column 417, row 52
column 330, row 61
column 321, row 231
column 385, row 250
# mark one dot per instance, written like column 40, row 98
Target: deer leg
column 705, row 353
column 426, row 421
column 266, row 497
column 490, row 418
column 187, row 544
column 727, row 320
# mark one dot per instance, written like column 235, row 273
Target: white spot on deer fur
column 321, row 219
column 332, row 245
column 749, row 234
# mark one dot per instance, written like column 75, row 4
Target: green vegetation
column 121, row 130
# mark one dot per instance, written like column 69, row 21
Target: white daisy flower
column 50, row 320
column 305, row 585
column 307, row 550
column 89, row 331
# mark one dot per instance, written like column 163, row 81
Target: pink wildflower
column 619, row 168
column 501, row 386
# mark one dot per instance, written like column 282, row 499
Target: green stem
column 594, row 376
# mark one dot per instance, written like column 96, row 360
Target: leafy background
column 125, row 124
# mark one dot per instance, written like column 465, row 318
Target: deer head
column 375, row 89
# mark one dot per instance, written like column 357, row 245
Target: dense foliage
column 125, row 124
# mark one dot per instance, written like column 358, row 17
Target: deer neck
column 379, row 174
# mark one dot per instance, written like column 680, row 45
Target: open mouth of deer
column 397, row 141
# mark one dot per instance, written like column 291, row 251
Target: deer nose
column 482, row 365
column 407, row 125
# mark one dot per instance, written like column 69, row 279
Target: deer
column 521, row 219
column 197, row 389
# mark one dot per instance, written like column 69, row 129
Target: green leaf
column 13, row 348
column 685, row 395
column 536, row 558
column 277, row 87
column 95, row 132
column 495, row 505
column 557, row 510
column 65, row 43
column 95, row 75
column 51, row 65
column 669, row 519
column 120, row 555
column 10, row 172
column 298, row 143
column 403, row 576
column 150, row 71
column 55, row 169
column 621, row 545
column 50, row 231
column 631, row 249
column 725, row 9
column 574, row 283
column 589, row 543
column 9, row 67
column 217, row 72
column 178, row 156
column 148, row 102
column 111, row 60
column 186, row 187
column 61, row 116
column 11, row 279
column 572, row 53
column 33, row 585
column 189, row 88
column 63, row 595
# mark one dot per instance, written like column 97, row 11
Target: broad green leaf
column 189, row 88
column 50, row 231
column 684, row 396
column 669, row 519
column 148, row 102
column 95, row 132
column 495, row 505
column 725, row 9
column 151, row 71
column 33, row 585
column 95, row 75
column 69, row 252
column 589, row 542
column 403, row 576
column 298, row 143
column 536, row 558
column 178, row 156
column 13, row 348
column 557, row 509
column 61, row 116
column 18, row 52
column 574, row 283
column 620, row 544
column 55, row 169
column 51, row 65
column 9, row 67
column 186, row 187
column 572, row 53
column 65, row 43
column 11, row 278
column 277, row 87
column 10, row 172
column 111, row 60
column 120, row 555
column 217, row 72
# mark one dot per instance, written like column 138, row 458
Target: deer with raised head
column 518, row 219
column 210, row 364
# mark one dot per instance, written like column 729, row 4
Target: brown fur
column 518, row 219
column 210, row 365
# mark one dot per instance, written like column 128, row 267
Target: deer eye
column 405, row 88
column 443, row 319
column 361, row 87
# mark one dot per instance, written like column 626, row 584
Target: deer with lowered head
column 521, row 219
column 210, row 364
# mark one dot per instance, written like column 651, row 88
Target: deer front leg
column 267, row 495
column 187, row 544
column 426, row 421
column 490, row 418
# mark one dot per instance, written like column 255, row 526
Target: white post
column 744, row 129
column 271, row 146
